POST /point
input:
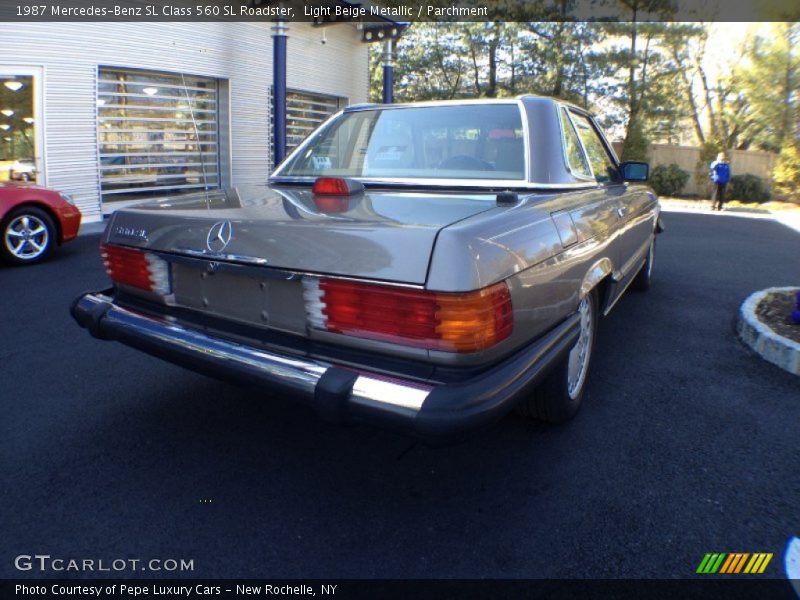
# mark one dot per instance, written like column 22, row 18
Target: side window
column 576, row 160
column 601, row 161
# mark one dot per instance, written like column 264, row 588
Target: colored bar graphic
column 716, row 565
column 740, row 562
column 734, row 562
column 703, row 564
column 711, row 562
column 751, row 566
column 728, row 563
column 768, row 557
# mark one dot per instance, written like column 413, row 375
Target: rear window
column 434, row 142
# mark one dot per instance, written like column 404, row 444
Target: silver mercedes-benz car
column 427, row 267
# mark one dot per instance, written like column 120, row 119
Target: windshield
column 473, row 141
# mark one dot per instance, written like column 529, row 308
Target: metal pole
column 388, row 71
column 279, row 35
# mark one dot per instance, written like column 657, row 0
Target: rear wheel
column 559, row 396
column 28, row 236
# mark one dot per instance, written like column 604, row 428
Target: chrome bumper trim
column 296, row 375
column 435, row 413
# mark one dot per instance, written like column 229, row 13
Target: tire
column 643, row 278
column 27, row 236
column 558, row 398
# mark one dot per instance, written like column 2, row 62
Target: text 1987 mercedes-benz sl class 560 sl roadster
column 426, row 267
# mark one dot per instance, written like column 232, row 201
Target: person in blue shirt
column 720, row 172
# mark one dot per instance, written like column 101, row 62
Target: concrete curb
column 775, row 348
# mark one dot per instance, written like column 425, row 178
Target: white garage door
column 157, row 133
column 305, row 112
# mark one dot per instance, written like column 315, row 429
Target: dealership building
column 112, row 113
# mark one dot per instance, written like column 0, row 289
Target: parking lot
column 687, row 444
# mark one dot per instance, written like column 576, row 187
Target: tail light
column 336, row 186
column 452, row 322
column 136, row 268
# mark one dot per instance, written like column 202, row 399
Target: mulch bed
column 774, row 312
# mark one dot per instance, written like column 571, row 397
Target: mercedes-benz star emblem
column 219, row 236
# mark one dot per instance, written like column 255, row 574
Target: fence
column 754, row 162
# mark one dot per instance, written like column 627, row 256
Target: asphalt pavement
column 687, row 443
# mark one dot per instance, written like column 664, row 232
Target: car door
column 633, row 204
column 596, row 216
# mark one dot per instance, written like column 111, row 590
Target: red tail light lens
column 452, row 322
column 136, row 268
column 336, row 186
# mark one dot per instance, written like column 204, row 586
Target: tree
column 639, row 58
column 484, row 42
column 564, row 59
column 786, row 175
column 684, row 44
column 430, row 64
column 770, row 82
column 495, row 59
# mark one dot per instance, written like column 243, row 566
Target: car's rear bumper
column 433, row 412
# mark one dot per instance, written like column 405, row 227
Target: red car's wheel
column 28, row 236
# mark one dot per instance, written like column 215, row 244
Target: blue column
column 279, row 30
column 388, row 72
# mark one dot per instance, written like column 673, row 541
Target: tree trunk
column 491, row 89
column 475, row 70
column 558, row 44
column 687, row 86
column 632, row 103
column 513, row 83
column 712, row 117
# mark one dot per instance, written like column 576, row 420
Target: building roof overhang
column 375, row 26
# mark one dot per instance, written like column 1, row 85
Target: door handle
column 621, row 211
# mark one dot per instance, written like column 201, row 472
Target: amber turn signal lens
column 474, row 320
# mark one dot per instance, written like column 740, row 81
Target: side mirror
column 635, row 171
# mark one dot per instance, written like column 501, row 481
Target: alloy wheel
column 27, row 237
column 578, row 363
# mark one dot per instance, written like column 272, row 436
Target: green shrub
column 786, row 174
column 668, row 180
column 748, row 188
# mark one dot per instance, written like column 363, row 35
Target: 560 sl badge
column 130, row 233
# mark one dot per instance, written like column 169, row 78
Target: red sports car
column 33, row 220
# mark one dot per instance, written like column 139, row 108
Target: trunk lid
column 382, row 235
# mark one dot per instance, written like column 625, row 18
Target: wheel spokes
column 26, row 237
column 18, row 250
column 578, row 356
